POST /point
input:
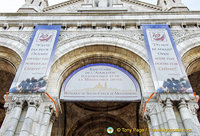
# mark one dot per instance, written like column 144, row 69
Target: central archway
column 72, row 121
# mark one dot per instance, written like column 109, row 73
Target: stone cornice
column 132, row 18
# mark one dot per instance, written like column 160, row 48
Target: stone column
column 152, row 113
column 51, row 125
column 46, row 121
column 29, row 118
column 37, row 122
column 193, row 107
column 186, row 118
column 155, row 124
column 171, row 118
column 15, row 116
column 8, row 107
column 149, row 125
column 161, row 119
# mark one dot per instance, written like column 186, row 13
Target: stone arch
column 78, row 121
column 9, row 61
column 10, row 56
column 187, row 43
column 14, row 43
column 97, row 53
column 124, row 58
column 90, row 125
column 191, row 61
column 133, row 45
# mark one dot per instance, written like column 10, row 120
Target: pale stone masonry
column 99, row 31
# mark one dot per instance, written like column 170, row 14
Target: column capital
column 193, row 107
column 49, row 109
column 182, row 104
column 18, row 99
column 13, row 101
column 150, row 110
column 174, row 96
column 33, row 101
column 168, row 103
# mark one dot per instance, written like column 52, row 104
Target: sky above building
column 13, row 5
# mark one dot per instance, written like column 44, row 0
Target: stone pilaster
column 51, row 124
column 162, row 118
column 29, row 118
column 186, row 117
column 171, row 118
column 152, row 113
column 15, row 116
column 8, row 107
column 37, row 122
column 46, row 120
column 193, row 107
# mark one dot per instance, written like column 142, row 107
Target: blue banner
column 33, row 72
column 166, row 66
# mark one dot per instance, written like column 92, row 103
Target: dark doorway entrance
column 93, row 119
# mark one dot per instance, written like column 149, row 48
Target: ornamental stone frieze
column 21, row 38
column 34, row 100
column 186, row 36
column 132, row 36
column 175, row 97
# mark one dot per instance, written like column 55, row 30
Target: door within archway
column 97, row 97
column 94, row 118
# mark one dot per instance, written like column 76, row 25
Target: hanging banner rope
column 57, row 114
column 195, row 97
column 6, row 96
column 146, row 103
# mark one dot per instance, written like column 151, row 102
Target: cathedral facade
column 101, row 42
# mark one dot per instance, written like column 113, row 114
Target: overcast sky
column 13, row 5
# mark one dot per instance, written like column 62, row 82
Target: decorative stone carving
column 173, row 96
column 67, row 37
column 193, row 107
column 151, row 108
column 15, row 38
column 186, row 36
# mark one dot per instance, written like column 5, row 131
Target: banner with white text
column 33, row 72
column 166, row 66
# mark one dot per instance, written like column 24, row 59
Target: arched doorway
column 191, row 61
column 84, row 118
column 9, row 60
column 7, row 73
